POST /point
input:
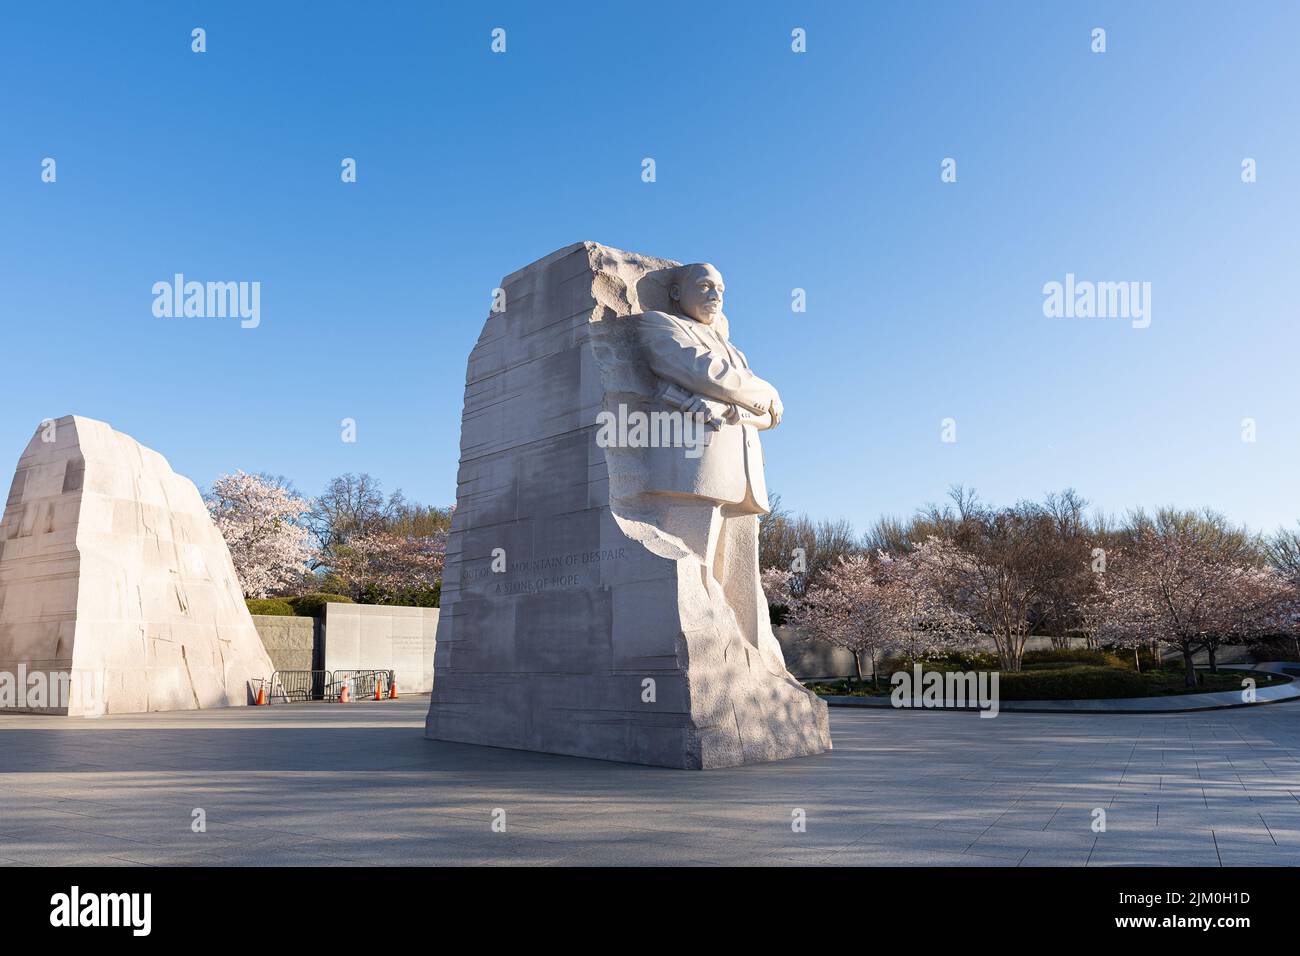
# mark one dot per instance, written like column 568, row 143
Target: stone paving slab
column 331, row 785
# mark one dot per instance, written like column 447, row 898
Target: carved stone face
column 698, row 293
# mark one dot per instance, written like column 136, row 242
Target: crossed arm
column 676, row 357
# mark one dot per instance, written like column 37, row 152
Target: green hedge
column 277, row 606
column 1101, row 658
column 313, row 605
column 1075, row 655
column 1079, row 682
column 989, row 661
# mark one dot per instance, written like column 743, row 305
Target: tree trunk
column 1214, row 667
column 875, row 671
column 1189, row 676
column 1007, row 654
column 857, row 664
column 1017, row 647
column 1137, row 660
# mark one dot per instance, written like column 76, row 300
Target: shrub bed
column 1069, row 680
column 1081, row 655
column 1082, row 682
column 313, row 605
column 277, row 606
column 1275, row 649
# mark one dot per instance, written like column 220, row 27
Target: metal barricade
column 299, row 685
column 288, row 686
column 361, row 683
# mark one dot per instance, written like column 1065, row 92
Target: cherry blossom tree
column 380, row 567
column 846, row 610
column 1090, row 609
column 1255, row 602
column 1190, row 581
column 991, row 592
column 1283, row 554
column 1117, row 614
column 778, row 588
column 920, row 620
column 993, row 566
column 1067, row 571
column 881, row 605
column 1184, row 580
column 260, row 521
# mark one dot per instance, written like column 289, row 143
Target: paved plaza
column 328, row 784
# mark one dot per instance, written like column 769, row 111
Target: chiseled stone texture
column 554, row 654
column 290, row 641
column 111, row 569
column 383, row 637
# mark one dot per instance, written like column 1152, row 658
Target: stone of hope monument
column 601, row 596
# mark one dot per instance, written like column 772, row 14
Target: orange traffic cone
column 392, row 689
column 344, row 696
column 261, row 695
column 378, row 685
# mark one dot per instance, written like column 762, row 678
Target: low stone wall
column 290, row 642
column 401, row 639
column 807, row 659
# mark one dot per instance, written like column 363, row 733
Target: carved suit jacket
column 729, row 468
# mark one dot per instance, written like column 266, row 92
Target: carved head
column 697, row 290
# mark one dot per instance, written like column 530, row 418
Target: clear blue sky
column 818, row 170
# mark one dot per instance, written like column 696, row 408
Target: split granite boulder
column 115, row 586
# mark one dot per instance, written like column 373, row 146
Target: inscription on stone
column 523, row 577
